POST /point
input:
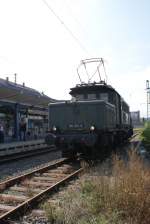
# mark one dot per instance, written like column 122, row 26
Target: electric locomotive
column 95, row 118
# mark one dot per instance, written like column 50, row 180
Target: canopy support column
column 16, row 127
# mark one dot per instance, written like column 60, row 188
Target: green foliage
column 87, row 187
column 101, row 219
column 146, row 136
column 51, row 212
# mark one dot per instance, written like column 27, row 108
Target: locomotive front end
column 75, row 126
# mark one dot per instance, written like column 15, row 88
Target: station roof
column 16, row 93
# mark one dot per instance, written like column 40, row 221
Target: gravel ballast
column 24, row 165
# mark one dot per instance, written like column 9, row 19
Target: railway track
column 135, row 139
column 21, row 193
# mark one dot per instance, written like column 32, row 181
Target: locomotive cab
column 92, row 91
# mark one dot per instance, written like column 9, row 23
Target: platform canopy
column 12, row 92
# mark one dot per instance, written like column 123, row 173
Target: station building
column 19, row 102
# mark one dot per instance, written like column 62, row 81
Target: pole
column 147, row 105
column 15, row 78
column 148, row 97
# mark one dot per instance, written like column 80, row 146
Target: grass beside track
column 101, row 197
column 146, row 136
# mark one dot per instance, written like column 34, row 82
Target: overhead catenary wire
column 75, row 18
column 66, row 27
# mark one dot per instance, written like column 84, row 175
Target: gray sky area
column 43, row 42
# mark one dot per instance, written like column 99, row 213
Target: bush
column 146, row 136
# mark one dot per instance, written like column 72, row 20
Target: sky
column 43, row 41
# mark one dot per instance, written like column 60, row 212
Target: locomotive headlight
column 54, row 128
column 92, row 128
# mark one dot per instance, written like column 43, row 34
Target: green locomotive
column 97, row 117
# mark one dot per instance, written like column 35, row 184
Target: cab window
column 104, row 96
column 79, row 97
column 92, row 96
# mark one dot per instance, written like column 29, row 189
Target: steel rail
column 25, row 202
column 22, row 208
column 137, row 132
column 136, row 142
column 7, row 183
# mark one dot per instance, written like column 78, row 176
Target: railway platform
column 22, row 109
column 19, row 147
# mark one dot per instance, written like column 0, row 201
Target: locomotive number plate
column 75, row 125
